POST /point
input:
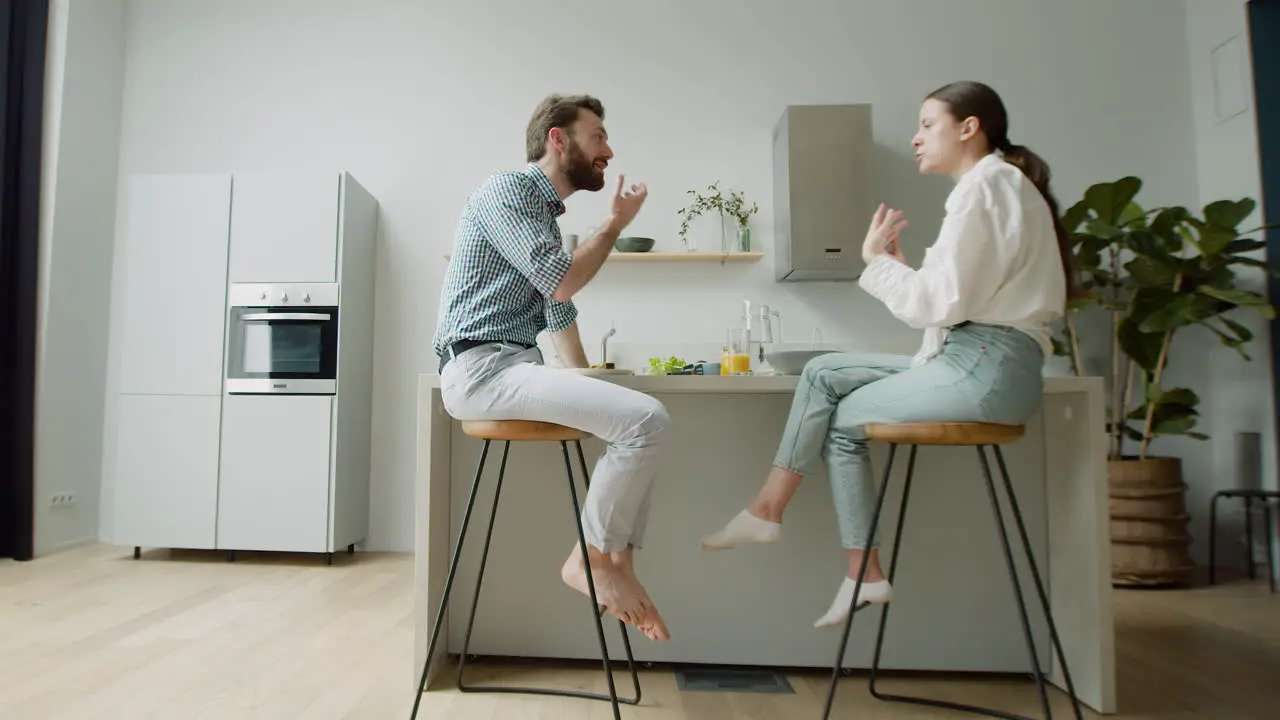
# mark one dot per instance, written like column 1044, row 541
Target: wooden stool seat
column 522, row 431
column 945, row 433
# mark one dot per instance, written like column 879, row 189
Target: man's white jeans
column 509, row 382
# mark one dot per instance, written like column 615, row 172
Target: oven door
column 282, row 350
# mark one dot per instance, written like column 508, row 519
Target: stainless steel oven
column 282, row 338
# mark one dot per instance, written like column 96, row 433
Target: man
column 510, row 278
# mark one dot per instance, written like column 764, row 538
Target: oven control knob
column 306, row 297
column 284, row 297
column 263, row 296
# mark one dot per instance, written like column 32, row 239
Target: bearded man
column 509, row 280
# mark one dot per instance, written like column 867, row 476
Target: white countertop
column 766, row 383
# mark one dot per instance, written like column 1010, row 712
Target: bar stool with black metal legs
column 509, row 431
column 1264, row 498
column 977, row 435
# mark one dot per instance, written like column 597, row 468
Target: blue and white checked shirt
column 508, row 259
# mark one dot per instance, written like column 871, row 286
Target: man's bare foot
column 622, row 598
column 650, row 623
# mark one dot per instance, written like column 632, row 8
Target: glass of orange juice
column 739, row 351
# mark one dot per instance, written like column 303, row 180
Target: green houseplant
column 1154, row 273
column 734, row 214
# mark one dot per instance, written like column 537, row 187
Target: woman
column 985, row 296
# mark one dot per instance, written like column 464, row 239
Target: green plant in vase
column 735, row 235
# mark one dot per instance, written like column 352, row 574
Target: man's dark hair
column 555, row 111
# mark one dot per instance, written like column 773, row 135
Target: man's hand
column 626, row 203
column 591, row 254
column 568, row 344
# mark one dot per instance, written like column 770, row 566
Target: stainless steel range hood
column 821, row 191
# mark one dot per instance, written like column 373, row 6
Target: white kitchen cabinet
column 196, row 467
column 284, row 228
column 166, row 491
column 273, row 492
column 174, row 284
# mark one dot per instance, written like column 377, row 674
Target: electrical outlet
column 62, row 499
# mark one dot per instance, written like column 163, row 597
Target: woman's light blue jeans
column 984, row 373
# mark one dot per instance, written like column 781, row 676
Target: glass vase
column 734, row 238
column 728, row 235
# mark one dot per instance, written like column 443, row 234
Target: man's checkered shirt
column 508, row 259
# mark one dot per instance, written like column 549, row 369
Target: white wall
column 85, row 73
column 1239, row 394
column 420, row 101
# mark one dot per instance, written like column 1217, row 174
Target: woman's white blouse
column 995, row 261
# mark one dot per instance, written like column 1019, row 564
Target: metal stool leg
column 1054, row 638
column 591, row 586
column 612, row 696
column 893, row 571
column 1213, row 537
column 1017, row 585
column 484, row 560
column 1248, row 534
column 622, row 626
column 1271, row 560
column 862, row 574
column 448, row 583
column 1013, row 576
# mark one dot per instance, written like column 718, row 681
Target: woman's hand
column 882, row 236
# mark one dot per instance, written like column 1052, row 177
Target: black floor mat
column 731, row 680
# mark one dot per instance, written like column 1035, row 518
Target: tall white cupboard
column 194, row 466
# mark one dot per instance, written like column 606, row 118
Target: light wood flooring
column 92, row 633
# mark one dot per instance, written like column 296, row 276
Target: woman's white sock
column 877, row 592
column 742, row 529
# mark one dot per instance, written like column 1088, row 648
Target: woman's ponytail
column 1037, row 170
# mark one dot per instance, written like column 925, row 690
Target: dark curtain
column 23, row 24
column 1264, row 22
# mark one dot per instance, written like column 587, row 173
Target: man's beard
column 581, row 171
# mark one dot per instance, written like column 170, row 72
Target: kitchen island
column 953, row 609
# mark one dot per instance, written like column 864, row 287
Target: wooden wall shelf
column 741, row 257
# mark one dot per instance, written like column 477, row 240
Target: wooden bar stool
column 509, row 431
column 976, row 435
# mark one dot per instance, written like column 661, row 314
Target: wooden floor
column 93, row 633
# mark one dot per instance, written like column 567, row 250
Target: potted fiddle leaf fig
column 1154, row 273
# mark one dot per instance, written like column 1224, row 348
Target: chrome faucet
column 766, row 328
column 604, row 345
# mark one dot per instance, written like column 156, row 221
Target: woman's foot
column 872, row 592
column 761, row 521
column 744, row 528
column 875, row 588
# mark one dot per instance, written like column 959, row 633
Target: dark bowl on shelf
column 633, row 244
